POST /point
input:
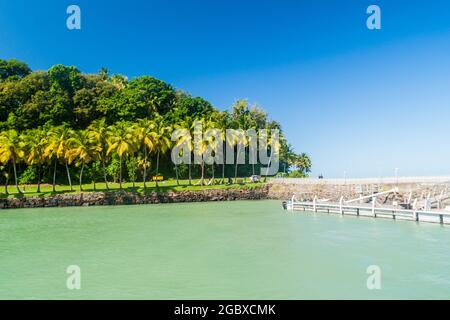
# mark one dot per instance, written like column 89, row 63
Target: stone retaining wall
column 276, row 191
column 122, row 198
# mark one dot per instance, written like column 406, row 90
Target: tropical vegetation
column 60, row 125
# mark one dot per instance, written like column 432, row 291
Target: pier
column 429, row 209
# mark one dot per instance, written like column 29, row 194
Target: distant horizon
column 444, row 176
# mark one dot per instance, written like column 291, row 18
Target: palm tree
column 144, row 133
column 211, row 141
column 200, row 148
column 240, row 141
column 121, row 139
column 83, row 149
column 185, row 139
column 252, row 140
column 161, row 140
column 222, row 123
column 99, row 133
column 274, row 149
column 35, row 151
column 11, row 150
column 188, row 124
column 56, row 148
column 6, row 175
column 303, row 163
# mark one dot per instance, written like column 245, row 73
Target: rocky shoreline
column 128, row 198
column 273, row 191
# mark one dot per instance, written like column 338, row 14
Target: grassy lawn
column 164, row 186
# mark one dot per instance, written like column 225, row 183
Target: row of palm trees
column 62, row 145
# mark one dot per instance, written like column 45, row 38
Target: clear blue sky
column 356, row 100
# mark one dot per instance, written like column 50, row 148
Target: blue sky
column 356, row 100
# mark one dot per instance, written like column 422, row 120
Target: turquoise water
column 222, row 250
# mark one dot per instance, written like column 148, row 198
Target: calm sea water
column 224, row 250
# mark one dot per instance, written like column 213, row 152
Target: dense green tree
column 87, row 100
column 13, row 69
column 143, row 97
column 92, row 123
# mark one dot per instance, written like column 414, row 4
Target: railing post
column 314, row 204
column 374, row 200
column 415, row 213
column 340, row 205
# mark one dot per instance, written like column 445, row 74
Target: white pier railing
column 369, row 210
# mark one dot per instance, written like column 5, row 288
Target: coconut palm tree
column 209, row 123
column 56, row 148
column 222, row 122
column 99, row 133
column 239, row 141
column 252, row 140
column 188, row 124
column 6, row 175
column 121, row 140
column 82, row 150
column 200, row 148
column 161, row 140
column 11, row 151
column 35, row 151
column 144, row 134
column 186, row 140
column 274, row 148
column 303, row 163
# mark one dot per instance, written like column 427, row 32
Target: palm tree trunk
column 7, row 180
column 68, row 176
column 120, row 172
column 104, row 173
column 39, row 179
column 190, row 175
column 269, row 163
column 223, row 166
column 95, row 185
column 176, row 174
column 223, row 174
column 15, row 175
column 54, row 176
column 203, row 173
column 145, row 167
column 212, row 179
column 157, row 168
column 236, row 166
column 81, row 177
